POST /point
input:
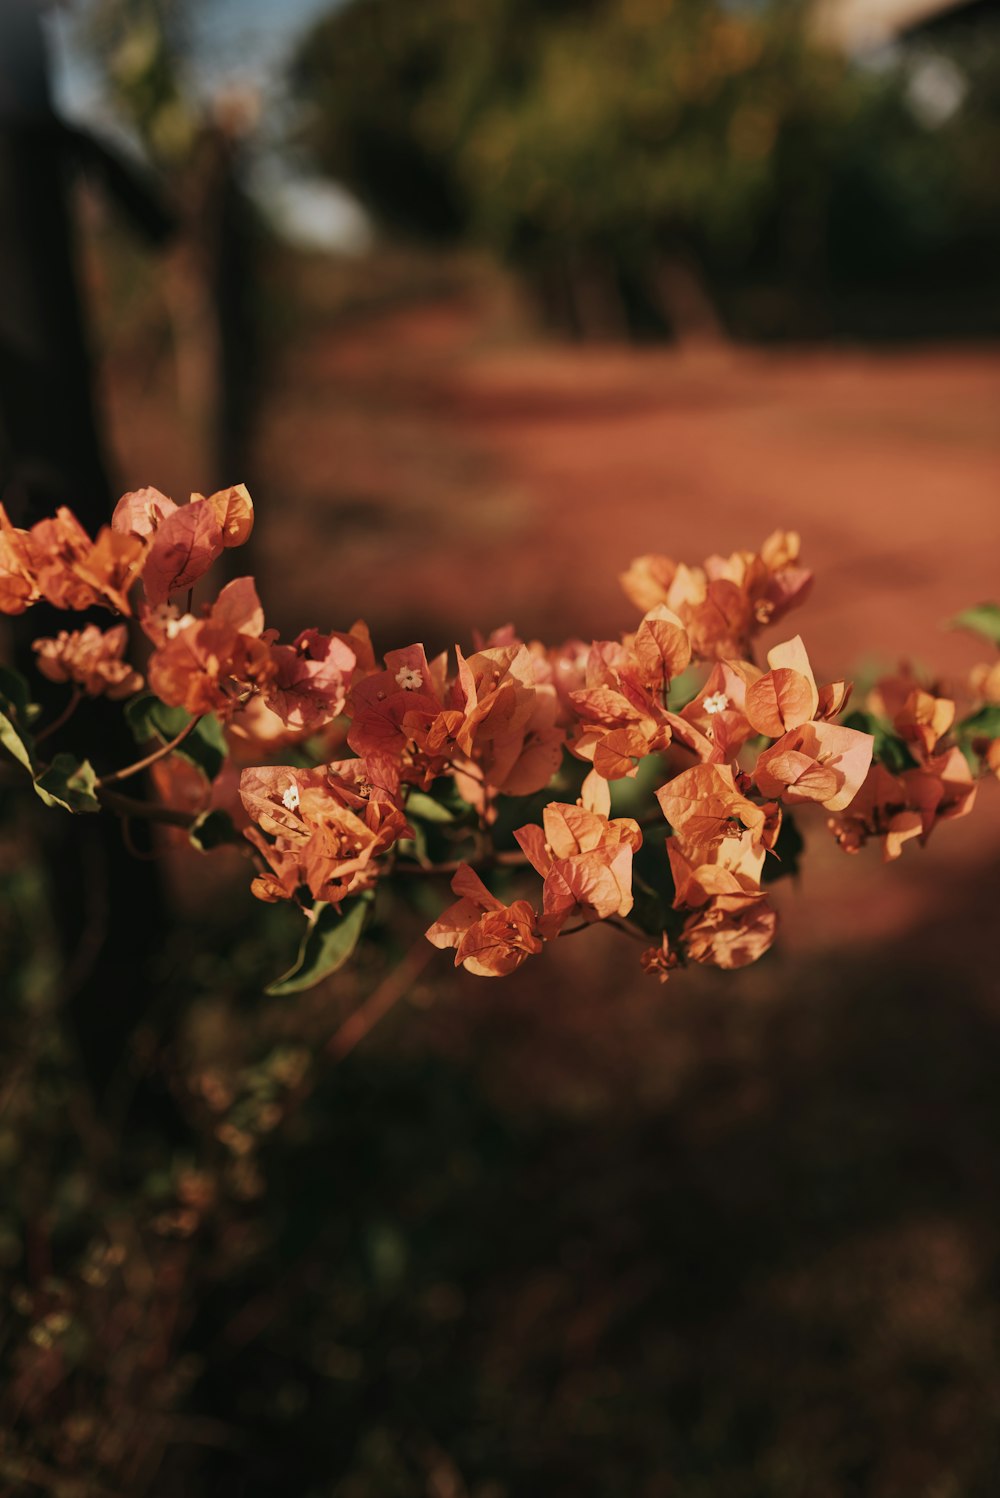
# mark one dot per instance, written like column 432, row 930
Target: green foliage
column 890, row 750
column 600, row 145
column 139, row 47
column 534, row 127
column 151, row 719
column 213, row 829
column 329, row 941
column 16, row 712
column 70, row 783
column 982, row 620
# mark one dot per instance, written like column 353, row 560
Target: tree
column 617, row 152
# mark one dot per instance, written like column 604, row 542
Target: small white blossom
column 717, row 703
column 410, row 681
column 173, row 627
column 290, row 800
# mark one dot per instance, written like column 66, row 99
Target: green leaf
column 213, row 829
column 890, row 750
column 15, row 693
column 984, row 724
column 419, row 804
column 329, row 941
column 15, row 742
column 149, row 718
column 983, row 619
column 16, row 712
column 70, row 783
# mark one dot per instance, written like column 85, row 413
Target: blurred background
column 482, row 298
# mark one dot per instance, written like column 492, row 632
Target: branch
column 144, row 811
column 151, row 759
column 76, row 698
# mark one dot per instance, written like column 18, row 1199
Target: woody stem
column 145, row 811
column 76, row 696
column 509, row 860
column 627, row 929
column 150, row 759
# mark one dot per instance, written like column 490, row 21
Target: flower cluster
column 656, row 774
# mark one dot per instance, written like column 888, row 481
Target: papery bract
column 73, row 572
column 730, row 867
column 489, row 938
column 323, row 833
column 822, row 762
column 786, row 696
column 141, row 512
column 703, row 806
column 310, row 681
column 18, row 585
column 92, row 658
column 181, row 550
column 585, row 861
column 233, row 509
column 214, row 663
column 730, row 931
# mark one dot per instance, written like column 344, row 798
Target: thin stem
column 76, row 697
column 145, row 811
column 386, row 996
column 627, row 929
column 150, row 759
column 509, row 860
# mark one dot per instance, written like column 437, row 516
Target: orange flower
column 92, row 658
column 183, row 547
column 661, row 648
column 822, row 762
column 310, row 680
column 718, row 712
column 321, row 831
column 621, row 720
column 495, row 725
column 730, row 867
column 490, row 939
column 897, row 808
column 141, row 512
column 659, row 962
column 728, row 600
column 509, row 728
column 923, row 720
column 18, row 586
column 212, row 664
column 392, row 711
column 73, row 572
column 985, row 682
column 730, row 931
column 234, row 511
column 585, row 861
column 184, row 540
column 704, row 807
column 786, row 696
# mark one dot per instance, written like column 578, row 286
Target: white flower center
column 717, row 703
column 410, row 681
column 290, row 800
column 173, row 627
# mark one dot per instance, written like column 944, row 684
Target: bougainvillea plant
column 340, row 774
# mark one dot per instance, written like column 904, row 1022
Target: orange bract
column 488, row 937
column 585, row 861
column 92, row 658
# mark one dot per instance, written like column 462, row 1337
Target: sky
column 246, row 39
column 238, row 40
